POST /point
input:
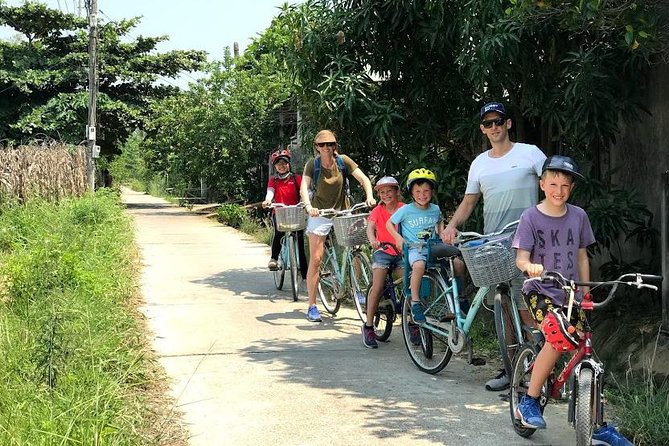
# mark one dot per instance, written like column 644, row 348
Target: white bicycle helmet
column 386, row 181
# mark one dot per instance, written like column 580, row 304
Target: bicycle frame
column 450, row 287
column 339, row 262
column 582, row 371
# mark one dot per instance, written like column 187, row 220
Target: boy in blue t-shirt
column 418, row 221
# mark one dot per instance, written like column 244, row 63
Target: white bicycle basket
column 490, row 260
column 290, row 218
column 351, row 230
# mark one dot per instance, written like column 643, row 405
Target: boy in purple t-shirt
column 552, row 235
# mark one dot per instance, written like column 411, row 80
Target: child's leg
column 378, row 281
column 543, row 366
column 276, row 242
column 417, row 271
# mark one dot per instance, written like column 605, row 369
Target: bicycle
column 289, row 219
column 390, row 303
column 349, row 273
column 584, row 372
column 490, row 261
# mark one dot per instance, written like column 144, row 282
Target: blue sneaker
column 361, row 298
column 529, row 413
column 417, row 312
column 313, row 314
column 608, row 435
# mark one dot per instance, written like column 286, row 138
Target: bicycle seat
column 440, row 251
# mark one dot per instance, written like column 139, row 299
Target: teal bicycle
column 289, row 220
column 491, row 262
column 345, row 271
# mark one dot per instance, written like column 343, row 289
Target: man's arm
column 461, row 215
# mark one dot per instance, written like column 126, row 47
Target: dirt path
column 247, row 368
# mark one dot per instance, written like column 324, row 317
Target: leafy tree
column 223, row 128
column 44, row 76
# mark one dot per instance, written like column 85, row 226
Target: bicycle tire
column 384, row 318
column 432, row 353
column 279, row 273
column 520, row 381
column 507, row 336
column 327, row 286
column 583, row 418
column 360, row 279
column 294, row 266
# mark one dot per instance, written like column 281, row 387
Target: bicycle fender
column 597, row 373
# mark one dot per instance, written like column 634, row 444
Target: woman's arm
column 366, row 185
column 304, row 196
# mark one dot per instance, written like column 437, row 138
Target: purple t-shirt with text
column 554, row 242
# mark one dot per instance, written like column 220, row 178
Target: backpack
column 342, row 168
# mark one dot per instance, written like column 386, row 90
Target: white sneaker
column 500, row 382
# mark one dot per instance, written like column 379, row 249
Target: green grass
column 74, row 371
column 640, row 402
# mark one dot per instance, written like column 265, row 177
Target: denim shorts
column 383, row 260
column 319, row 226
column 416, row 254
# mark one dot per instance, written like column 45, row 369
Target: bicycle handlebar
column 571, row 285
column 281, row 205
column 462, row 237
column 385, row 245
column 336, row 213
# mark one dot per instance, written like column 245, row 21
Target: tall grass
column 641, row 400
column 74, row 371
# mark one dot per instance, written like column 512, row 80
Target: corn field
column 50, row 171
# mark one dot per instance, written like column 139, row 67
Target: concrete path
column 249, row 369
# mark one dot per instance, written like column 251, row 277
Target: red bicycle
column 584, row 372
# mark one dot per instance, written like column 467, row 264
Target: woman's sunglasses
column 497, row 121
column 326, row 144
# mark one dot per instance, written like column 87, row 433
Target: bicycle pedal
column 447, row 317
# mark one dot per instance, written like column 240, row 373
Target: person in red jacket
column 284, row 187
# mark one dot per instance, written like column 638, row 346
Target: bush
column 232, row 215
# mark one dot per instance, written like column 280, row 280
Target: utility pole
column 91, row 148
column 664, row 250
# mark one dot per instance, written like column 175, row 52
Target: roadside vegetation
column 75, row 366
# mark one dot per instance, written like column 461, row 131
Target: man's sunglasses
column 489, row 122
column 326, row 144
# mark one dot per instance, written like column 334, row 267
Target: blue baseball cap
column 493, row 107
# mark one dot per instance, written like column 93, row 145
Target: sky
column 208, row 25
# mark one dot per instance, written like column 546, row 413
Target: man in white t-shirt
column 507, row 176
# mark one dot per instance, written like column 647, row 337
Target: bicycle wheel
column 520, row 381
column 280, row 267
column 427, row 349
column 294, row 266
column 327, row 282
column 384, row 318
column 507, row 336
column 583, row 419
column 360, row 279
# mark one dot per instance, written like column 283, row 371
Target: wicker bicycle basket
column 490, row 260
column 351, row 230
column 290, row 218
